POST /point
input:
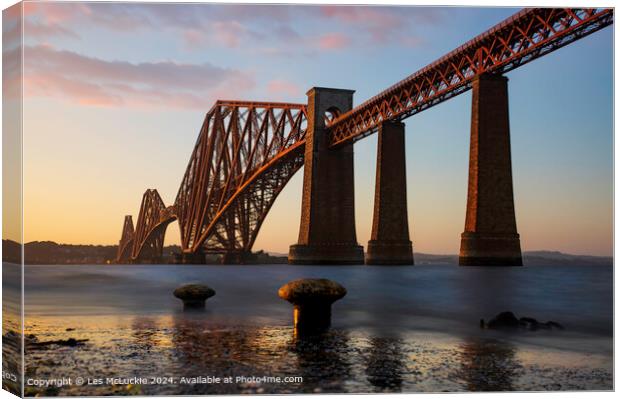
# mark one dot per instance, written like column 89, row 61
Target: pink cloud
column 225, row 33
column 45, row 30
column 123, row 17
column 381, row 23
column 278, row 87
column 333, row 41
column 85, row 80
column 57, row 13
column 250, row 27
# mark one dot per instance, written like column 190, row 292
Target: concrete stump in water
column 194, row 296
column 312, row 301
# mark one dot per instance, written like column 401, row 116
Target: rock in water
column 504, row 320
column 507, row 320
column 529, row 323
column 312, row 301
column 194, row 296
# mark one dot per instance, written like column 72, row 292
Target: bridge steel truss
column 244, row 156
column 525, row 36
column 125, row 245
column 247, row 152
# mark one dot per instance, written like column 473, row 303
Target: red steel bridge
column 247, row 152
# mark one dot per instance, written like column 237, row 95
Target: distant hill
column 11, row 251
column 49, row 252
column 559, row 258
column 538, row 258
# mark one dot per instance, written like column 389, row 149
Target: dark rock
column 529, row 323
column 194, row 295
column 71, row 342
column 507, row 320
column 504, row 320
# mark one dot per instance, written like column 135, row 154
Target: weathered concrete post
column 327, row 231
column 490, row 236
column 312, row 300
column 389, row 242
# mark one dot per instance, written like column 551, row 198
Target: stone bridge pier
column 327, row 229
column 490, row 237
column 389, row 241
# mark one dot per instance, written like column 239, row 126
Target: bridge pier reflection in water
column 248, row 151
column 488, row 365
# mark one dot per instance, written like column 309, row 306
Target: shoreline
column 351, row 360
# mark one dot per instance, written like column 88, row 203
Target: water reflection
column 144, row 331
column 385, row 365
column 322, row 360
column 488, row 365
column 200, row 348
column 336, row 361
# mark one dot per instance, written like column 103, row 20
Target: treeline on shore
column 51, row 253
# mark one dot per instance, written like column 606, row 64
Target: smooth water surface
column 440, row 298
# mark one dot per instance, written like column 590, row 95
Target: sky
column 115, row 93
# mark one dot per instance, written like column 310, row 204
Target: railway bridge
column 247, row 152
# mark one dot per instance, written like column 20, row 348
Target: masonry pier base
column 490, row 237
column 327, row 229
column 389, row 243
column 195, row 258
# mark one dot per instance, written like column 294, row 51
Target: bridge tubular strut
column 490, row 237
column 389, row 242
column 327, row 231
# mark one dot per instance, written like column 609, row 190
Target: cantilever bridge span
column 247, row 152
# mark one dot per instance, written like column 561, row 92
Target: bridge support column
column 389, row 242
column 490, row 236
column 196, row 258
column 237, row 257
column 327, row 230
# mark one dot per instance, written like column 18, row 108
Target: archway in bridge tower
column 245, row 154
column 153, row 220
column 172, row 249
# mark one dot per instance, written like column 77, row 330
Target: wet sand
column 340, row 360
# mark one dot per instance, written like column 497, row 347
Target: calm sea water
column 444, row 298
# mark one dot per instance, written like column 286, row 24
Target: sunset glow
column 104, row 121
